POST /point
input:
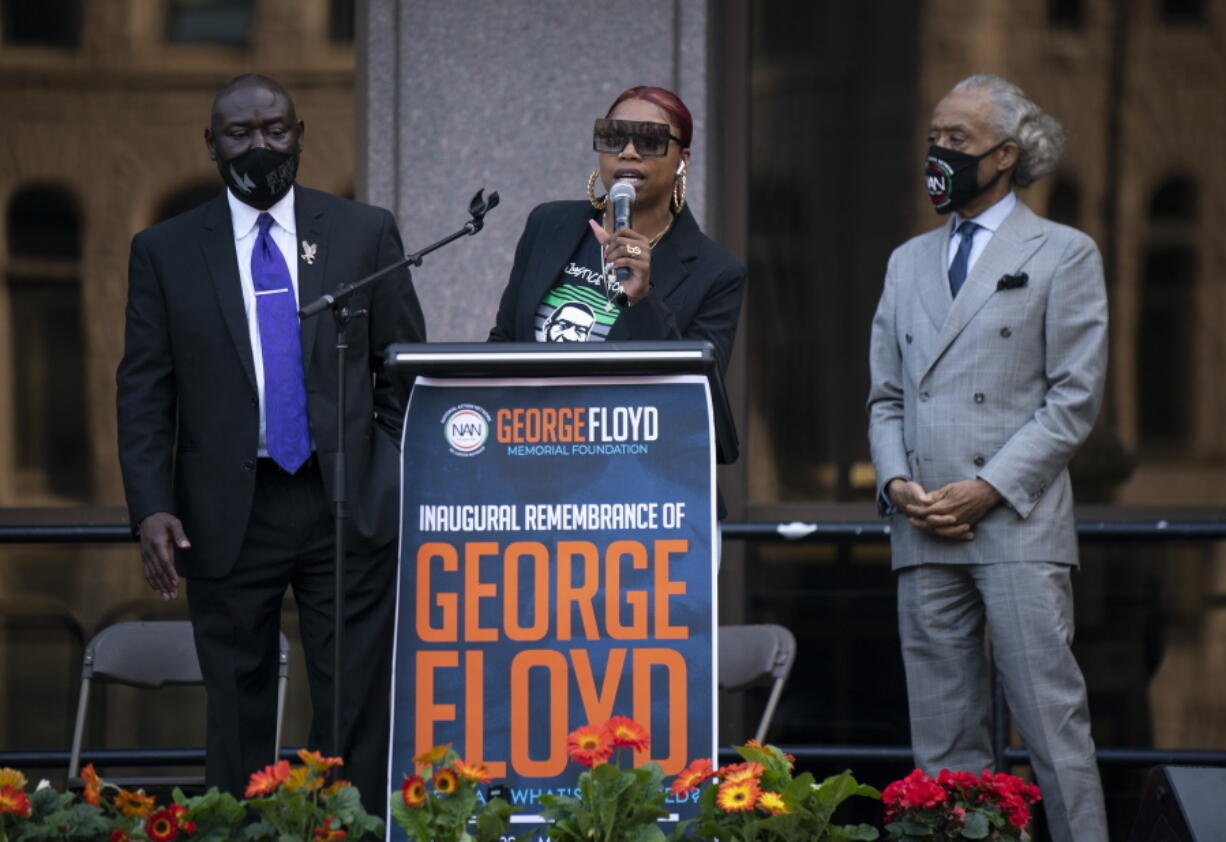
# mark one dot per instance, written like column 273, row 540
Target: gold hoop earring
column 598, row 204
column 678, row 200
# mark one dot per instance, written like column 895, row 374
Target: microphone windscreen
column 621, row 191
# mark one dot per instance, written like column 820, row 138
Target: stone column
column 487, row 93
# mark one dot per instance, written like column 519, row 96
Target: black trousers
column 288, row 542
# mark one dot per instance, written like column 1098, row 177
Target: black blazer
column 696, row 286
column 187, row 401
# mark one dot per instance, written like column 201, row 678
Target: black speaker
column 1182, row 804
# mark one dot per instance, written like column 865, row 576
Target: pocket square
column 1013, row 281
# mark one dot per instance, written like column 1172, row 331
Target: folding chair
column 152, row 655
column 754, row 655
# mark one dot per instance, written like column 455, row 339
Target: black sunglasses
column 610, row 137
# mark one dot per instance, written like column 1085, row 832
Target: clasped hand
column 949, row 512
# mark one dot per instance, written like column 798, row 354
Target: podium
column 558, row 555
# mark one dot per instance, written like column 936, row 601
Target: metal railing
column 825, row 532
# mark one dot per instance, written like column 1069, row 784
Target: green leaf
column 976, row 826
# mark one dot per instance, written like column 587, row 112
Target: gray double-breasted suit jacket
column 1002, row 383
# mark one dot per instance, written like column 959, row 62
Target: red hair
column 678, row 114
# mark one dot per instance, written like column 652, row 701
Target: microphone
column 622, row 196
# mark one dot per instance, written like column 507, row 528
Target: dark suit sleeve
column 395, row 316
column 146, row 393
column 504, row 324
column 715, row 320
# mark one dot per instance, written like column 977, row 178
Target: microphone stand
column 336, row 302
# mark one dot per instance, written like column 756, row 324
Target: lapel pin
column 308, row 252
column 1013, row 281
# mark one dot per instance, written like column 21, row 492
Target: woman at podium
column 673, row 283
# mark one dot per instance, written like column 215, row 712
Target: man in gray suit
column 988, row 358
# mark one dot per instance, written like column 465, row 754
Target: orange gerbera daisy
column 300, row 777
column 317, row 763
column 162, row 825
column 135, row 804
column 445, row 782
column 691, row 776
column 431, row 756
column 626, row 733
column 589, row 745
column 266, row 782
column 478, row 773
column 325, row 832
column 93, row 785
column 13, row 778
column 737, row 796
column 335, row 787
column 414, row 791
column 14, row 801
column 772, row 802
column 740, row 773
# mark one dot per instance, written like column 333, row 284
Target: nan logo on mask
column 939, row 177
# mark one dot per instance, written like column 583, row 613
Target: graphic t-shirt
column 577, row 309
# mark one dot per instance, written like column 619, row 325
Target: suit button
column 923, row 396
column 908, row 339
column 978, row 460
column 249, row 465
column 979, row 397
column 1005, row 332
column 255, row 403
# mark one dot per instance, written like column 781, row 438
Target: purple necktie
column 287, row 430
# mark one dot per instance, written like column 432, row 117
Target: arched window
column 50, row 425
column 1166, row 363
column 186, row 198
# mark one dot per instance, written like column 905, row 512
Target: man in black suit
column 227, row 435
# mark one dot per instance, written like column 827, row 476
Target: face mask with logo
column 953, row 177
column 260, row 176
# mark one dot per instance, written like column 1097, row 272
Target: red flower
column 267, row 781
column 915, row 790
column 14, row 801
column 414, row 791
column 163, row 825
column 740, row 772
column 589, row 745
column 691, row 776
column 626, row 733
column 119, row 835
column 325, row 833
column 93, row 785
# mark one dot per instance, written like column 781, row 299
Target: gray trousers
column 1027, row 608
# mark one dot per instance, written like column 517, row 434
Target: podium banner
column 557, row 568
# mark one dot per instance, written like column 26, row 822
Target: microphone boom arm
column 477, row 209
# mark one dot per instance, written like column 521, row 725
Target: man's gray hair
column 1038, row 135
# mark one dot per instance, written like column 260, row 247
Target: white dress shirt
column 284, row 234
column 991, row 219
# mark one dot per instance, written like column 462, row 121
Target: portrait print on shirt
column 577, row 308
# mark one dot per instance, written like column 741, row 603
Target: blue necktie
column 957, row 269
column 287, row 429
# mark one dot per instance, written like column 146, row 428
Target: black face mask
column 260, row 176
column 953, row 177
